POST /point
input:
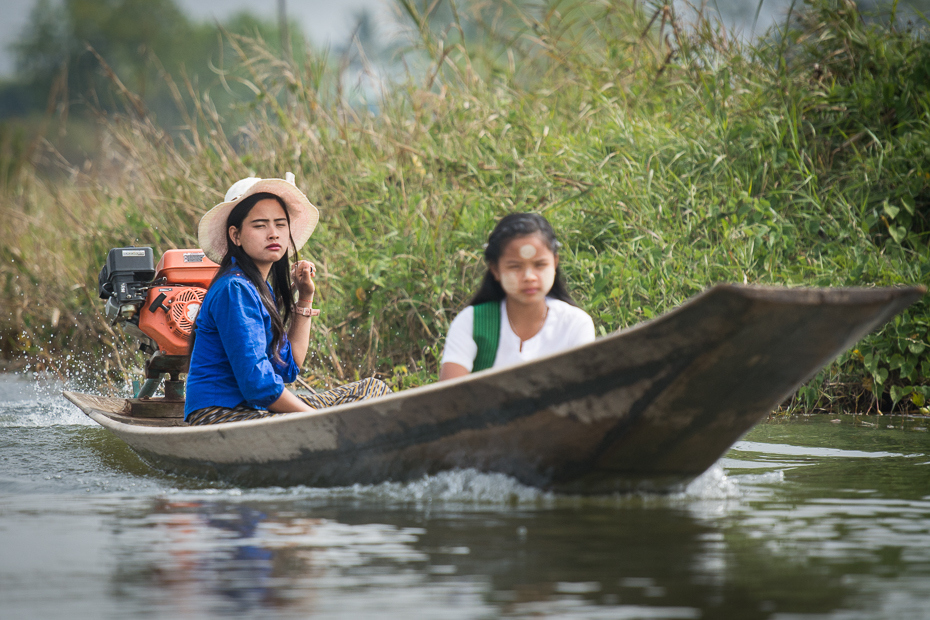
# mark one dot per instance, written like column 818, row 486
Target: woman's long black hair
column 278, row 306
column 510, row 227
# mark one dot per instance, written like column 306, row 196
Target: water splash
column 462, row 485
column 713, row 484
column 459, row 487
column 36, row 401
column 469, row 487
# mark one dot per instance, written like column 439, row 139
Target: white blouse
column 566, row 326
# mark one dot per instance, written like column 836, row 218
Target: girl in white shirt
column 522, row 307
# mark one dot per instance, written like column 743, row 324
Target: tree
column 57, row 39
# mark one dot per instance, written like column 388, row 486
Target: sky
column 326, row 22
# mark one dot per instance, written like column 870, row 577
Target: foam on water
column 469, row 487
column 461, row 486
column 712, row 484
column 36, row 401
column 42, row 412
column 466, row 485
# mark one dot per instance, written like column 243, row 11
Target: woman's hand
column 298, row 333
column 302, row 273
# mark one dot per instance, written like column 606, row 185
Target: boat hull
column 648, row 408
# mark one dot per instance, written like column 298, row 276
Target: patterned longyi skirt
column 348, row 393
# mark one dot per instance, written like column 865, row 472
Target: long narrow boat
column 650, row 407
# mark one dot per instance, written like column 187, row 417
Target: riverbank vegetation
column 667, row 154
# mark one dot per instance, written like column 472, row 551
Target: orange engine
column 170, row 309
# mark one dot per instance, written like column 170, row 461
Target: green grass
column 668, row 158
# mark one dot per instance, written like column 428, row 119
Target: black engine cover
column 126, row 274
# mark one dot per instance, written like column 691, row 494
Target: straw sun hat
column 212, row 230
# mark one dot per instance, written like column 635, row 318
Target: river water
column 813, row 517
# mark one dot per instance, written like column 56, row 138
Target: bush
column 667, row 159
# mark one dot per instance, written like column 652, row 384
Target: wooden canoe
column 650, row 407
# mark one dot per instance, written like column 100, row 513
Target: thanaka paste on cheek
column 510, row 282
column 528, row 251
column 547, row 278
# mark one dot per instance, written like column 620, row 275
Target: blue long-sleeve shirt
column 232, row 361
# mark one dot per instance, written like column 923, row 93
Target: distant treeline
column 70, row 51
column 667, row 155
column 63, row 47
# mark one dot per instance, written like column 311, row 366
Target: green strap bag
column 486, row 331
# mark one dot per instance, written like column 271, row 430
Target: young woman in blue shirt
column 251, row 335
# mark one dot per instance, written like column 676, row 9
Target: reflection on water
column 809, row 518
column 208, row 547
column 239, row 558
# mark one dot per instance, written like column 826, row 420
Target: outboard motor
column 158, row 305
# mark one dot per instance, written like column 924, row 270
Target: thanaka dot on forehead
column 528, row 251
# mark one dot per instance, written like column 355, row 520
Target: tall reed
column 668, row 157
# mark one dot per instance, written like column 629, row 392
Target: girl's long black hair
column 510, row 227
column 279, row 305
